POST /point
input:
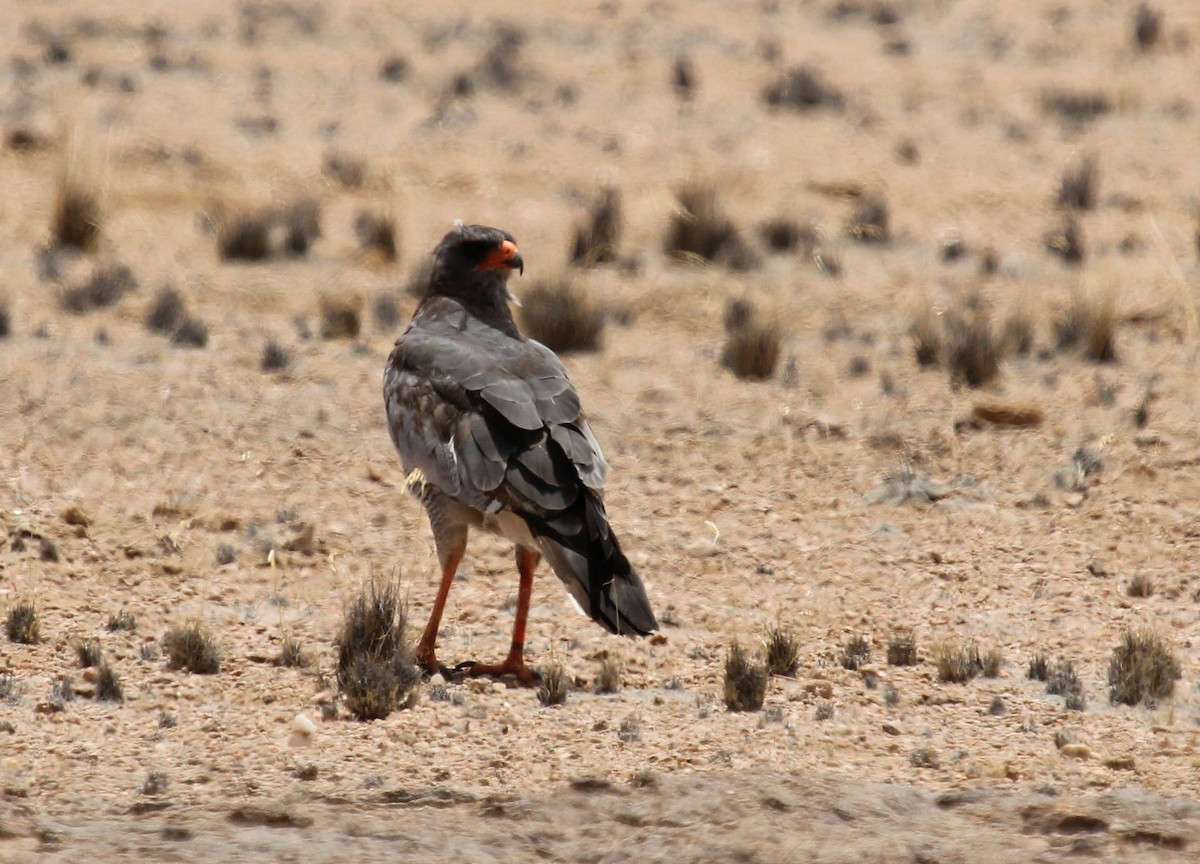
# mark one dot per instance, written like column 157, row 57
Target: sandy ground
column 742, row 504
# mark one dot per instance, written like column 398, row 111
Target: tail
column 586, row 557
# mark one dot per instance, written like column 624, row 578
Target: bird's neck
column 489, row 306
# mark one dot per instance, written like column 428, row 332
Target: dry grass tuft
column 1016, row 336
column 167, row 312
column 801, row 88
column 926, row 338
column 608, row 679
column 752, row 347
column 596, row 239
column 274, row 357
column 1143, row 668
column 88, row 653
column 244, row 236
column 1140, row 585
column 957, row 662
column 700, row 229
column 554, row 684
column 1066, row 242
column 972, row 353
column 5, row 318
column 783, row 651
column 22, row 623
column 1076, row 107
column 191, row 333
column 375, row 669
column 108, row 684
column 341, row 316
column 376, row 233
column 1090, row 325
column 247, row 233
column 78, row 216
column 292, row 654
column 190, row 646
column 122, row 621
column 1039, row 668
column 869, row 221
column 786, row 235
column 1077, row 188
column 561, row 317
column 349, row 172
column 105, row 288
column 902, row 648
column 856, row 653
column 993, row 659
column 745, row 680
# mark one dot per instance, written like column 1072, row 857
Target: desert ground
column 166, row 476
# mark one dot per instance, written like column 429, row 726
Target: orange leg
column 514, row 664
column 425, row 655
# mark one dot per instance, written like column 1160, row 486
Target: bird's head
column 473, row 263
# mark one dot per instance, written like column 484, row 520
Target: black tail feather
column 585, row 554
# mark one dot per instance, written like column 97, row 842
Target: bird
column 492, row 437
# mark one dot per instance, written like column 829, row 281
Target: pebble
column 1076, row 751
column 303, row 729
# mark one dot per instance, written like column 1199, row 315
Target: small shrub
column 783, row 651
column 108, row 684
column 155, row 783
column 1147, row 26
column 77, row 217
column 1016, row 337
column 10, row 688
column 553, row 690
column 5, row 318
column 226, row 554
column 902, row 648
column 1143, row 668
column 122, row 620
column 957, row 662
column 292, row 654
column 22, row 624
column 824, row 711
column 301, row 222
column 745, row 680
column 1077, row 189
column 608, row 679
column 1039, row 668
column 562, row 318
column 190, row 646
column 274, row 357
column 683, row 77
column 856, row 653
column 341, row 316
column 394, row 69
column 347, row 171
column 375, row 668
column 869, row 222
column 376, row 232
column 891, row 696
column 786, row 235
column 991, row 662
column 167, row 312
column 801, row 88
column 1140, row 585
column 500, row 66
column 1076, row 106
column 88, row 652
column 596, row 239
column 700, row 229
column 924, row 757
column 997, row 708
column 630, row 730
column 739, row 312
column 752, row 352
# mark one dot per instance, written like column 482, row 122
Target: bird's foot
column 514, row 668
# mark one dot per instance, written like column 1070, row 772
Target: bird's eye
column 475, row 251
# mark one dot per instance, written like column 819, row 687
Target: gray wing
column 491, row 421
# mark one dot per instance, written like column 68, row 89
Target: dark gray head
column 472, row 265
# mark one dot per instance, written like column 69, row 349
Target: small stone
column 303, row 724
column 1074, row 500
column 74, row 515
column 891, row 729
column 1076, row 751
column 1120, row 763
column 437, row 679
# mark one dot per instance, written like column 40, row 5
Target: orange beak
column 504, row 255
